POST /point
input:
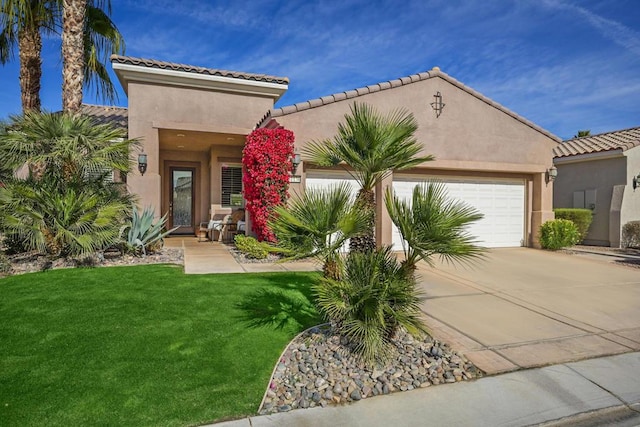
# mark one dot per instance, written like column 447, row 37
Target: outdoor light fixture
column 142, row 163
column 552, row 173
column 295, row 161
column 636, row 181
column 437, row 105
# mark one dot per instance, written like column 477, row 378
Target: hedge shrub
column 631, row 235
column 558, row 234
column 580, row 217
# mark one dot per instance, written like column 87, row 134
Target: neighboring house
column 597, row 172
column 193, row 122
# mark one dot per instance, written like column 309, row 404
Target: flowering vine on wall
column 267, row 162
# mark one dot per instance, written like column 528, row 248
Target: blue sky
column 563, row 64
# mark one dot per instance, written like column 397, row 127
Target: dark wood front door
column 182, row 200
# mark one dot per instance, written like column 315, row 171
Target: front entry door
column 182, row 200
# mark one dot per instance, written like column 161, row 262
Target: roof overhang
column 588, row 157
column 128, row 73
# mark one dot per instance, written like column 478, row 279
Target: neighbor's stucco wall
column 631, row 201
column 152, row 107
column 600, row 175
column 470, row 137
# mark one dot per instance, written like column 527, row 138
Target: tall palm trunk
column 73, row 17
column 366, row 241
column 30, row 48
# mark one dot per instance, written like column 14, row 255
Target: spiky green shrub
column 372, row 300
column 142, row 233
column 631, row 235
column 558, row 234
column 431, row 224
column 61, row 219
column 318, row 224
column 580, row 217
column 251, row 247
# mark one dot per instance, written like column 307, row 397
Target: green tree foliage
column 558, row 234
column 433, row 224
column 318, row 224
column 370, row 146
column 70, row 207
column 580, row 217
column 368, row 305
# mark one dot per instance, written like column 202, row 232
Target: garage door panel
column 501, row 203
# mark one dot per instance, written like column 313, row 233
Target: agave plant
column 318, row 224
column 368, row 305
column 142, row 232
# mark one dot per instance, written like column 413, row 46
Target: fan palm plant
column 318, row 224
column 371, row 146
column 64, row 145
column 432, row 223
column 60, row 219
column 368, row 305
column 21, row 26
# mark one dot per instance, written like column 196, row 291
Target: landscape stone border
column 318, row 369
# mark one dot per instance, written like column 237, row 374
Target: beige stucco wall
column 154, row 107
column 469, row 138
column 602, row 175
column 631, row 200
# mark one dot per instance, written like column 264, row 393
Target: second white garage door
column 501, row 202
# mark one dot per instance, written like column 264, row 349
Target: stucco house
column 598, row 172
column 193, row 122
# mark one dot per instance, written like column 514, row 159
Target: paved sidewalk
column 594, row 389
column 214, row 257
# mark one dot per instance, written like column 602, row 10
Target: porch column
column 147, row 187
column 542, row 205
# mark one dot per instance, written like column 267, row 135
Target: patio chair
column 218, row 217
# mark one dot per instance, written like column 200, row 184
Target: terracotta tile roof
column 103, row 114
column 106, row 114
column 151, row 63
column 617, row 140
column 434, row 72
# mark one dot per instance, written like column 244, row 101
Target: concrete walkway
column 604, row 391
column 214, row 257
column 523, row 308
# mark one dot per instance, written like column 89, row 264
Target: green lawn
column 143, row 345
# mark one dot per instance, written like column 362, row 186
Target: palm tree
column 21, row 24
column 581, row 133
column 318, row 224
column 372, row 146
column 431, row 224
column 64, row 145
column 73, row 18
column 373, row 300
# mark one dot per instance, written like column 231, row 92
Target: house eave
column 587, row 157
column 132, row 73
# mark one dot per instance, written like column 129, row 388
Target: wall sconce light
column 295, row 162
column 552, row 174
column 636, row 181
column 437, row 105
column 142, row 163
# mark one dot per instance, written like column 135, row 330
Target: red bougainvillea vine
column 267, row 162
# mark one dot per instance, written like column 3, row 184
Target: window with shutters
column 232, row 185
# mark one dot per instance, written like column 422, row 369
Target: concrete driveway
column 521, row 308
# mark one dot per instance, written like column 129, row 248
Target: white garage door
column 501, row 202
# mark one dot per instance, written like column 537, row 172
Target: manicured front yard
column 143, row 345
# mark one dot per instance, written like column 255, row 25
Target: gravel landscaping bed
column 32, row 262
column 632, row 254
column 317, row 369
column 242, row 258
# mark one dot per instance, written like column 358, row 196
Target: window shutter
column 232, row 186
